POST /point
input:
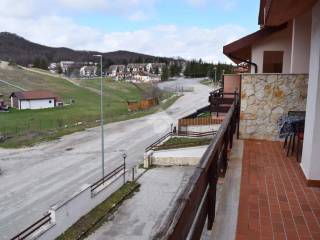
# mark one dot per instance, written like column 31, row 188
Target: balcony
column 249, row 189
column 275, row 202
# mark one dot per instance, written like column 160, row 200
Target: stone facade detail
column 266, row 97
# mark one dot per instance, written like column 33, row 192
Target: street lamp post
column 124, row 167
column 222, row 78
column 215, row 74
column 101, row 116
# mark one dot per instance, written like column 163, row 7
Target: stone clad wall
column 266, row 97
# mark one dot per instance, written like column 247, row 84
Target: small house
column 35, row 100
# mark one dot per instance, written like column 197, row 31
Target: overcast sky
column 186, row 28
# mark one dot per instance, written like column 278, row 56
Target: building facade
column 284, row 56
column 35, row 100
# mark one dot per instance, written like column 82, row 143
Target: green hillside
column 25, row 127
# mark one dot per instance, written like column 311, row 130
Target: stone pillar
column 311, row 150
column 147, row 161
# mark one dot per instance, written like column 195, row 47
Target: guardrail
column 220, row 101
column 196, row 134
column 110, row 175
column 196, row 204
column 34, row 227
column 157, row 142
column 65, row 213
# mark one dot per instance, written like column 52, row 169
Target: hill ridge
column 23, row 52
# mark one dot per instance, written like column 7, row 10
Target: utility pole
column 215, row 74
column 101, row 116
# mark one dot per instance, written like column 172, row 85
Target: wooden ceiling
column 277, row 12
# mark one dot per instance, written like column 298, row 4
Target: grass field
column 181, row 142
column 26, row 127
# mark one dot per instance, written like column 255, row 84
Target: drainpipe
column 246, row 61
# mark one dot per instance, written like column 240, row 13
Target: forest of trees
column 170, row 71
column 200, row 69
column 40, row 63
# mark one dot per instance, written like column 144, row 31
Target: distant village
column 138, row 72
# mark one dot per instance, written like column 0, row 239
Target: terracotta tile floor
column 275, row 203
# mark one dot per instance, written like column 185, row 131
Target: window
column 272, row 61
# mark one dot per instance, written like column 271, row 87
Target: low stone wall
column 266, row 97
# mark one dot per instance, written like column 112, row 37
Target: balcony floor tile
column 275, row 202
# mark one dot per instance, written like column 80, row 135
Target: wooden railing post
column 224, row 155
column 213, row 180
column 231, row 132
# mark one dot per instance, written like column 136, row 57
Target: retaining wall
column 177, row 157
column 65, row 213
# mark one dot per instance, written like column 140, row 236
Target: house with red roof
column 39, row 99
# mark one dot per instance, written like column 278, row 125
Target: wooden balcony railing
column 196, row 204
column 220, row 102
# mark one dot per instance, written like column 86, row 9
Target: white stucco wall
column 36, row 104
column 200, row 128
column 311, row 151
column 178, row 157
column 301, row 38
column 280, row 41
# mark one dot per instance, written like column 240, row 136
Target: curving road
column 35, row 178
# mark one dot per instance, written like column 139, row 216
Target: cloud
column 135, row 10
column 41, row 23
column 162, row 40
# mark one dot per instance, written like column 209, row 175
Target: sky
column 191, row 29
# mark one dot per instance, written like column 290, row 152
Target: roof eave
column 241, row 49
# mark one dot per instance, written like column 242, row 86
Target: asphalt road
column 36, row 178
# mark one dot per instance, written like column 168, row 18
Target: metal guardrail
column 196, row 134
column 34, row 227
column 47, row 218
column 110, row 175
column 197, row 202
column 157, row 142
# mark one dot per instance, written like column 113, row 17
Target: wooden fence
column 196, row 204
column 142, row 105
column 199, row 121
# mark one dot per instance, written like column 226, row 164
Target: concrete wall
column 301, row 38
column 37, row 104
column 178, row 157
column 69, row 211
column 280, row 41
column 311, row 149
column 231, row 83
column 266, row 97
column 200, row 128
